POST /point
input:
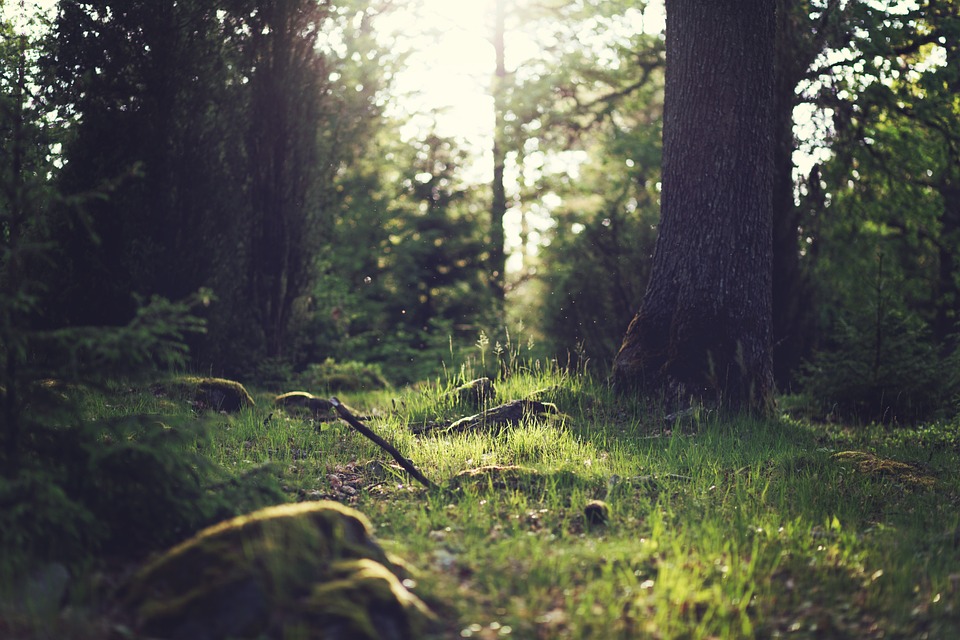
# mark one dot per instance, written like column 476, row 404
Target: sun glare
column 444, row 86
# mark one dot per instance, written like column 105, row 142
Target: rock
column 505, row 415
column 223, row 395
column 596, row 512
column 318, row 407
column 495, row 419
column 343, row 376
column 360, row 599
column 46, row 589
column 312, row 567
column 218, row 394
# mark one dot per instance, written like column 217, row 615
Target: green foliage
column 888, row 187
column 343, row 376
column 585, row 123
column 714, row 528
column 238, row 120
column 594, row 273
column 120, row 488
column 597, row 264
column 418, row 282
column 75, row 487
column 899, row 376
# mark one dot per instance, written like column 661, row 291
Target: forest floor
column 708, row 529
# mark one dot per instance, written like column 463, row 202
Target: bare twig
column 350, row 419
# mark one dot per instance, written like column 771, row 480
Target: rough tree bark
column 704, row 326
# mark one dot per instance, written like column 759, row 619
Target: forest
column 530, row 318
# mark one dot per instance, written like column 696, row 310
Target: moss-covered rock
column 303, row 401
column 218, row 394
column 596, row 512
column 313, row 567
column 875, row 466
column 361, row 599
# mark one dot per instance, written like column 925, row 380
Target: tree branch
column 408, row 466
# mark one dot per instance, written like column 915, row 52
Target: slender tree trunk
column 498, row 207
column 797, row 47
column 15, row 220
column 284, row 159
column 946, row 293
column 705, row 325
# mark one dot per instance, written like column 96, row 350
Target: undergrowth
column 716, row 528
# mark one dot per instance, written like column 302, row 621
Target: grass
column 717, row 529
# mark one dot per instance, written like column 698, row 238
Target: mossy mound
column 312, row 569
column 596, row 512
column 303, row 401
column 872, row 465
column 217, row 394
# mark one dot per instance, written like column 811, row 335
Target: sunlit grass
column 717, row 528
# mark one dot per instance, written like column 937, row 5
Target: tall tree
column 801, row 38
column 144, row 81
column 704, row 326
column 288, row 77
column 498, row 205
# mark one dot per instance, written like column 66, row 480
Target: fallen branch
column 495, row 419
column 350, row 419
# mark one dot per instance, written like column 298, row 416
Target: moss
column 218, row 394
column 596, row 512
column 362, row 600
column 255, row 572
column 872, row 465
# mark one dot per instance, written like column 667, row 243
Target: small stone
column 303, row 401
column 46, row 588
column 596, row 512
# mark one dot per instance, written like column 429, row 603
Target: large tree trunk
column 704, row 327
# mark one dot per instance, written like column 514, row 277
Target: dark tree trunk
column 946, row 293
column 498, row 206
column 283, row 161
column 704, row 327
column 797, row 46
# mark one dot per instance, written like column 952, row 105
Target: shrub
column 343, row 376
column 891, row 373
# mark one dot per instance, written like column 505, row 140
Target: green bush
column 894, row 374
column 343, row 376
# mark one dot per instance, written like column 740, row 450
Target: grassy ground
column 716, row 529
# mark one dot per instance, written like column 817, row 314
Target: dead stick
column 383, row 444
